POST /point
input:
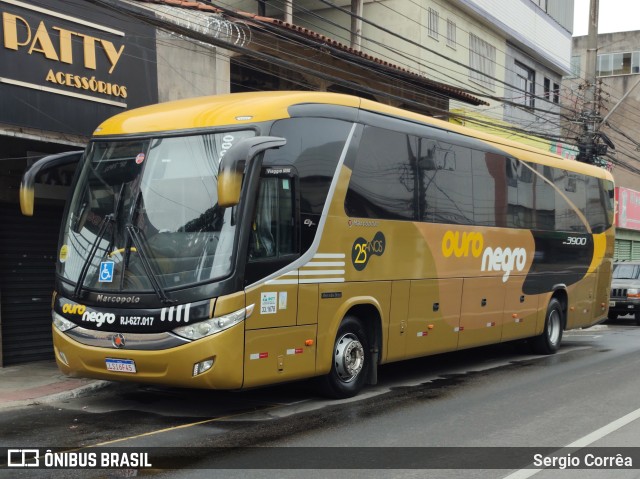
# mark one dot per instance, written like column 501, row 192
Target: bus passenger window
column 382, row 184
column 444, row 183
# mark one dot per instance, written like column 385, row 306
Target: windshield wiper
column 92, row 252
column 136, row 237
column 110, row 218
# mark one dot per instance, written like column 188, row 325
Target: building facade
column 627, row 224
column 618, row 106
column 618, row 98
column 512, row 54
column 64, row 68
column 67, row 66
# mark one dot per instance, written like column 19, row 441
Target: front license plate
column 612, row 304
column 121, row 365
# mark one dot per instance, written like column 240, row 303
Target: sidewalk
column 40, row 382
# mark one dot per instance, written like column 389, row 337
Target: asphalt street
column 483, row 404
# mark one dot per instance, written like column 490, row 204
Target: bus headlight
column 61, row 323
column 214, row 325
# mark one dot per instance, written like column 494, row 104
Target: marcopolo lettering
column 118, row 299
column 493, row 259
column 98, row 318
column 18, row 33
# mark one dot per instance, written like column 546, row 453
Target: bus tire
column 636, row 316
column 350, row 363
column 549, row 341
column 612, row 316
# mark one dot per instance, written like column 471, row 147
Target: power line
column 201, row 37
column 546, row 121
column 530, row 110
column 421, row 46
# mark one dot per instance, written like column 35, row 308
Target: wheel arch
column 561, row 295
column 367, row 313
column 368, row 310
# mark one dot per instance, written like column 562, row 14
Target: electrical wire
column 334, row 75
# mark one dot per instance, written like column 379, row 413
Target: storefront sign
column 628, row 210
column 66, row 66
column 570, row 152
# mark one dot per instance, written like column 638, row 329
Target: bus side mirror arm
column 27, row 185
column 236, row 162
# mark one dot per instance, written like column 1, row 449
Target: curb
column 57, row 396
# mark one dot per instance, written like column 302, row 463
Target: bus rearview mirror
column 235, row 163
column 27, row 185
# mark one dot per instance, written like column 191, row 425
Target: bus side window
column 272, row 228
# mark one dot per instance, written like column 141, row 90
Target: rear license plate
column 612, row 304
column 121, row 365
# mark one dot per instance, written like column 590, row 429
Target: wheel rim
column 349, row 357
column 553, row 327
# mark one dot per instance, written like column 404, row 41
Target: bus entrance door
column 276, row 348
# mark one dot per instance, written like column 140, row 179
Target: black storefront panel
column 64, row 68
column 28, row 248
column 67, row 66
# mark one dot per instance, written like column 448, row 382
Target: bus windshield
column 146, row 211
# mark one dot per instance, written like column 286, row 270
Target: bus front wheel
column 350, row 363
column 549, row 341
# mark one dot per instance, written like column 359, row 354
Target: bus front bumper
column 170, row 367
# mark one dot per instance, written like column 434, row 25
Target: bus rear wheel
column 549, row 341
column 350, row 363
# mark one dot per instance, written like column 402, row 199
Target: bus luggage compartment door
column 482, row 311
column 434, row 314
column 520, row 312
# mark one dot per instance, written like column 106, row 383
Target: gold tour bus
column 241, row 240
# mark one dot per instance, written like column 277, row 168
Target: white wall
column 526, row 25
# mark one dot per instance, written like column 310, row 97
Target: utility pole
column 288, row 11
column 586, row 143
column 356, row 24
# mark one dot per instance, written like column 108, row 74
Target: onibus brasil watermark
column 48, row 459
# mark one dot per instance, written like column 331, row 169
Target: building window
column 451, row 33
column 547, row 88
column 541, row 3
column 624, row 63
column 525, row 85
column 576, row 66
column 434, row 20
column 556, row 93
column 482, row 61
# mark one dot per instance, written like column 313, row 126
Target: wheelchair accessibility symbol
column 106, row 272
